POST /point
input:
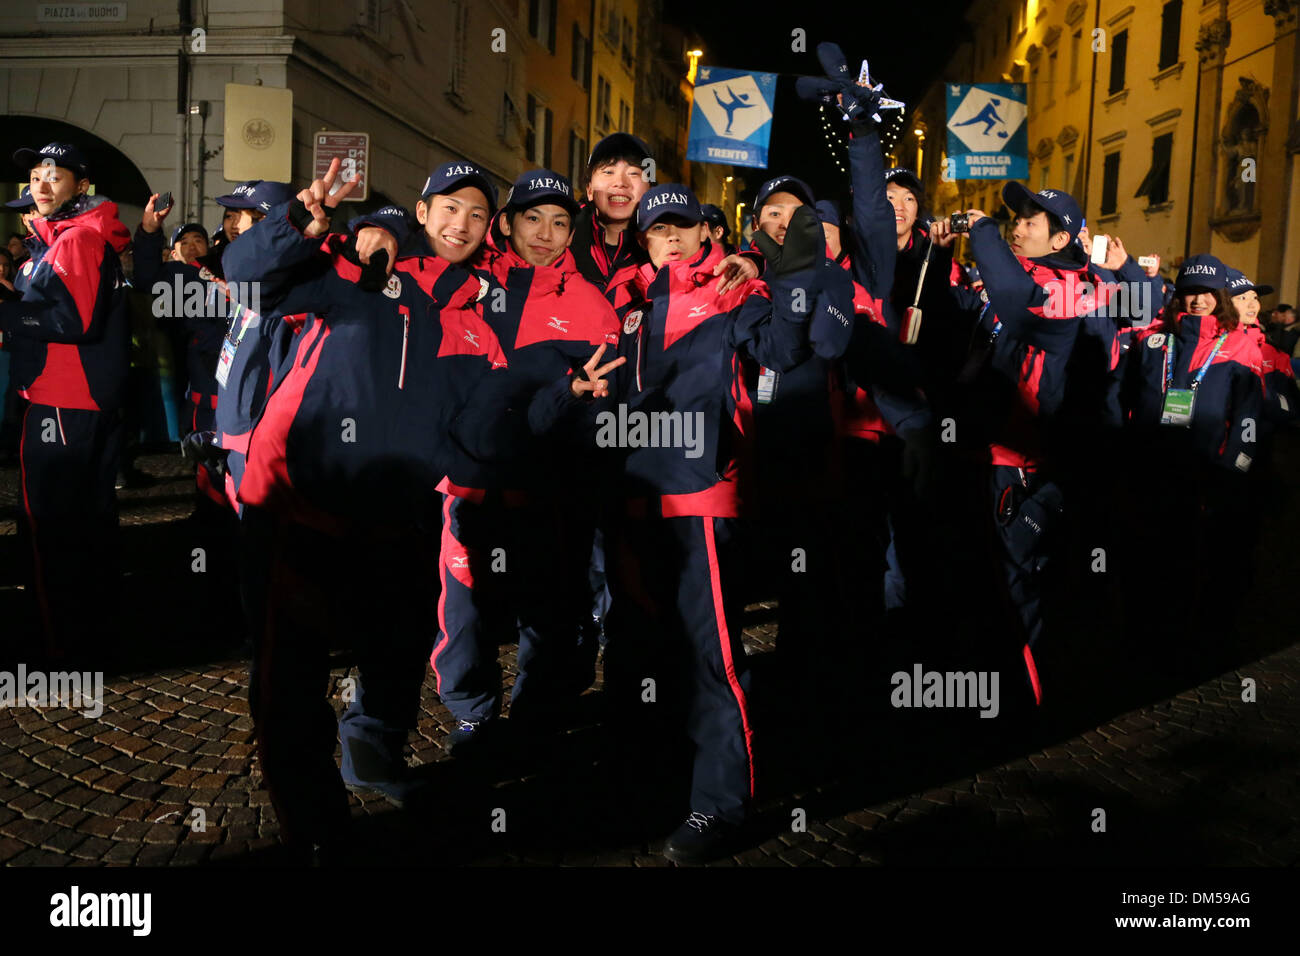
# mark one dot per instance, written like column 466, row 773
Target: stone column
column 1277, row 165
column 1211, row 45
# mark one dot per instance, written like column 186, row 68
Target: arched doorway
column 113, row 174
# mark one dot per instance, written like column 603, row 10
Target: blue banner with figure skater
column 988, row 136
column 732, row 117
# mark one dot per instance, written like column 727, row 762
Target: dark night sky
column 907, row 45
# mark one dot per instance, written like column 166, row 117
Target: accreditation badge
column 226, row 360
column 767, row 379
column 1178, row 406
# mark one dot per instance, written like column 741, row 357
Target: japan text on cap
column 1239, row 284
column 257, row 194
column 1201, row 272
column 670, row 199
column 784, row 184
column 54, row 154
column 541, row 187
column 904, row 177
column 457, row 174
column 1059, row 204
column 616, row 146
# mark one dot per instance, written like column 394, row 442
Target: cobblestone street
column 1186, row 771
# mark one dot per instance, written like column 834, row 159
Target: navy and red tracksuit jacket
column 1229, row 400
column 203, row 333
column 1034, row 316
column 614, row 275
column 694, row 352
column 355, row 434
column 879, row 393
column 1281, row 396
column 550, row 322
column 67, row 324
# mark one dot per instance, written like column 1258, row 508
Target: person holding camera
column 1016, row 377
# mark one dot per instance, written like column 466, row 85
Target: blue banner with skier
column 988, row 137
column 731, row 121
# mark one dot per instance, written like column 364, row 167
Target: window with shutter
column 1110, row 184
column 1171, row 19
column 1118, row 58
column 1155, row 184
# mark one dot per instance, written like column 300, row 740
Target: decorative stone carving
column 1283, row 12
column 1067, row 136
column 1213, row 40
column 1075, row 12
column 1044, row 148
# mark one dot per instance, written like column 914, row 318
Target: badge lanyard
column 1179, row 403
column 1169, row 362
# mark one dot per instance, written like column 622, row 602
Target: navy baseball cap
column 257, row 194
column 1201, row 272
column 670, row 199
column 59, row 154
column 715, row 217
column 784, row 184
column 449, row 177
column 828, row 211
column 23, row 202
column 1238, row 284
column 541, row 187
column 188, row 227
column 617, row 144
column 1059, row 204
column 973, row 273
column 904, row 177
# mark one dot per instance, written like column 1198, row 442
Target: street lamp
column 920, row 149
column 695, row 59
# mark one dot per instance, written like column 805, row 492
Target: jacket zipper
column 639, row 335
column 406, row 329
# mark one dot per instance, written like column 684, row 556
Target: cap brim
column 20, row 203
column 616, row 144
column 550, row 199
column 231, row 201
column 1263, row 289
column 489, row 193
column 29, row 159
column 1014, row 193
column 642, row 227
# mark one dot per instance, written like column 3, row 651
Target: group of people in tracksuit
column 596, row 427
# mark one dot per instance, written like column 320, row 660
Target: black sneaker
column 469, row 738
column 700, row 839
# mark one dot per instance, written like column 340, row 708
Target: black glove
column 300, row 217
column 860, row 104
column 374, row 275
column 805, row 244
column 201, row 447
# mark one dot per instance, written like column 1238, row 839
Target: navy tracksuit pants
column 306, row 593
column 512, row 572
column 676, row 619
column 1027, row 511
column 69, row 460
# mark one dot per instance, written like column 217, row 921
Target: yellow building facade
column 1173, row 122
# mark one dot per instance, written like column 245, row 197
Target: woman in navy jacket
column 1193, row 400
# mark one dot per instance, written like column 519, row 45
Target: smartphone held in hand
column 1099, row 249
